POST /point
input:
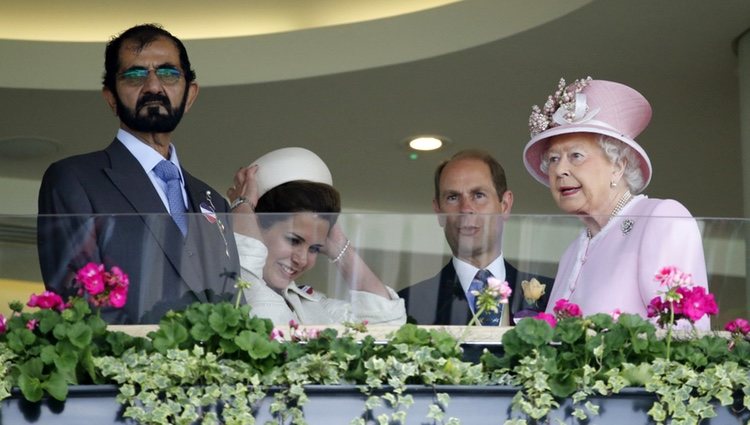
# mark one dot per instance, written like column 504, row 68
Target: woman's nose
column 562, row 168
column 299, row 257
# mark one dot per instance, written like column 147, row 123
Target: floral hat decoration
column 588, row 106
column 288, row 164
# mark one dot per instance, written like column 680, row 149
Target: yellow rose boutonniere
column 532, row 290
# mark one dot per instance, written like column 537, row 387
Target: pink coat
column 616, row 268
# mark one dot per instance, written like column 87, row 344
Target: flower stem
column 473, row 322
column 669, row 329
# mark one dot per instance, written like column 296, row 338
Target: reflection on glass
column 401, row 250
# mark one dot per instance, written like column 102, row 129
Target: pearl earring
column 612, row 184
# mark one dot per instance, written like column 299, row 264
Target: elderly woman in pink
column 583, row 147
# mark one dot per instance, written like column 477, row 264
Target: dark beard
column 153, row 121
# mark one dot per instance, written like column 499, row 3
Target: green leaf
column 67, row 361
column 79, row 335
column 201, row 332
column 48, row 354
column 446, row 344
column 48, row 320
column 119, row 342
column 569, row 331
column 562, row 386
column 534, row 332
column 30, row 387
column 19, row 339
column 60, row 331
column 229, row 346
column 412, row 335
column 97, row 324
column 637, row 376
column 32, row 368
column 257, row 346
column 513, row 345
column 56, row 386
column 602, row 321
column 491, row 362
column 632, row 321
column 198, row 313
column 170, row 335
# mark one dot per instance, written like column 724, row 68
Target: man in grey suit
column 130, row 204
column 472, row 201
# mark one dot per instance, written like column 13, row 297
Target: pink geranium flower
column 682, row 299
column 564, row 309
column 550, row 319
column 91, row 277
column 117, row 278
column 738, row 327
column 104, row 288
column 276, row 335
column 498, row 289
column 304, row 334
column 672, row 277
column 3, row 324
column 32, row 324
column 118, row 297
column 47, row 300
column 696, row 303
column 616, row 313
column 656, row 307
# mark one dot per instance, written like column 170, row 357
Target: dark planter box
column 339, row 404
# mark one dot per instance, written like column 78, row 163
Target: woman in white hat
column 583, row 148
column 291, row 191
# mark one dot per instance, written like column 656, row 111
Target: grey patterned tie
column 168, row 172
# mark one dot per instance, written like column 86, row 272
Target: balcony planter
column 339, row 404
column 212, row 354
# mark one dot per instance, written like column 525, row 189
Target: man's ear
column 109, row 97
column 192, row 94
column 440, row 215
column 506, row 203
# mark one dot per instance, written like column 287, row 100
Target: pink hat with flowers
column 589, row 106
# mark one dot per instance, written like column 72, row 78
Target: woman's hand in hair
column 243, row 194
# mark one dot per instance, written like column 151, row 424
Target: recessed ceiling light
column 426, row 143
column 27, row 147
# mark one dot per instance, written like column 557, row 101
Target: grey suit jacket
column 101, row 207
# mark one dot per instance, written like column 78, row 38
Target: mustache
column 153, row 97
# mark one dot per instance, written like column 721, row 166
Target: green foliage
column 52, row 349
column 222, row 328
column 581, row 357
column 215, row 363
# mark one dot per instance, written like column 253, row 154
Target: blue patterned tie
column 488, row 318
column 168, row 172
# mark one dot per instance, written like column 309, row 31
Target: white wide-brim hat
column 600, row 107
column 289, row 164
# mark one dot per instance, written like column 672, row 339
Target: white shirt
column 148, row 157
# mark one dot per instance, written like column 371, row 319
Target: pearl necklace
column 624, row 199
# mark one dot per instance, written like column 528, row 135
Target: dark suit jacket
column 102, row 207
column 440, row 300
